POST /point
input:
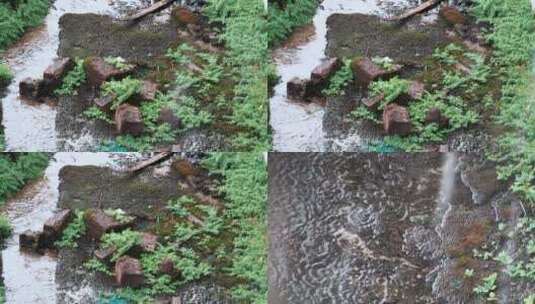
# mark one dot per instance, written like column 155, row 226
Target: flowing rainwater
column 30, row 278
column 447, row 183
column 297, row 126
column 31, row 126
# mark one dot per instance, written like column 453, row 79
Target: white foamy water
column 447, row 184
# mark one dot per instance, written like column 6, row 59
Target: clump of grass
column 122, row 241
column 487, row 289
column 391, row 89
column 188, row 107
column 245, row 189
column 283, row 20
column 513, row 37
column 339, row 80
column 96, row 265
column 384, row 62
column 16, row 170
column 119, row 215
column 188, row 111
column 73, row 80
column 73, row 232
column 121, row 90
column 363, row 113
column 5, row 74
column 5, row 228
column 119, row 63
column 2, row 294
column 95, row 113
column 246, row 38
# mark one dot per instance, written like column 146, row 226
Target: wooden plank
column 156, row 7
column 151, row 161
column 422, row 8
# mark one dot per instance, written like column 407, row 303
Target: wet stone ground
column 77, row 29
column 143, row 195
column 352, row 31
column 410, row 44
column 144, row 44
column 397, row 228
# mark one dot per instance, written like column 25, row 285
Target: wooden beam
column 151, row 161
column 422, row 8
column 156, row 7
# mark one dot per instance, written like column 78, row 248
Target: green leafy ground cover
column 17, row 16
column 224, row 91
column 285, row 16
column 246, row 41
column 513, row 38
column 225, row 245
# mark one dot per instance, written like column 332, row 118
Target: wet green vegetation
column 73, row 232
column 514, row 40
column 5, row 75
column 73, row 79
column 245, row 187
column 285, row 16
column 458, row 95
column 16, row 169
column 246, row 41
column 16, row 16
column 220, row 240
column 340, row 80
column 217, row 87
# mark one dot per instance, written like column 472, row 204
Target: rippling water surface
column 371, row 228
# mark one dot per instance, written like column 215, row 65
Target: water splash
column 447, row 184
